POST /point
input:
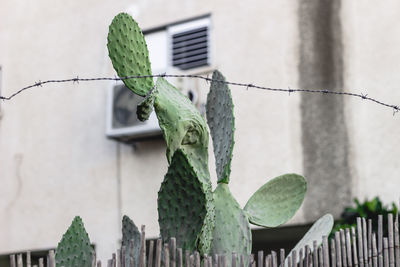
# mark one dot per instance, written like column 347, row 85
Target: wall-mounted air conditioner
column 178, row 48
column 122, row 122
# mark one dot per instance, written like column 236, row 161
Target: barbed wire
column 362, row 96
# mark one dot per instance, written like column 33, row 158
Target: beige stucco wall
column 372, row 39
column 55, row 161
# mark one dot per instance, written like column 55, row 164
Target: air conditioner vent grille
column 190, row 48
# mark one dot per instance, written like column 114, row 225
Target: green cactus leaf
column 185, row 205
column 322, row 227
column 129, row 232
column 276, row 201
column 232, row 229
column 145, row 107
column 128, row 52
column 182, row 125
column 74, row 249
column 219, row 111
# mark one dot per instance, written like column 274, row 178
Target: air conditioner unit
column 194, row 88
column 122, row 121
column 179, row 48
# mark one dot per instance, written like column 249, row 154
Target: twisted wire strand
column 395, row 108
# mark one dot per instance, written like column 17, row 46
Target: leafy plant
column 368, row 209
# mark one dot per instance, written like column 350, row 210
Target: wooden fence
column 358, row 247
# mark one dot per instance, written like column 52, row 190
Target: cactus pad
column 128, row 52
column 145, row 107
column 184, row 204
column 182, row 125
column 74, row 249
column 222, row 125
column 232, row 230
column 322, row 227
column 129, row 232
column 276, row 201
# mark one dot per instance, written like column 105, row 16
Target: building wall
column 55, row 161
column 372, row 37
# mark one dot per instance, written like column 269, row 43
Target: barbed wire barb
column 207, row 79
column 76, row 80
column 395, row 110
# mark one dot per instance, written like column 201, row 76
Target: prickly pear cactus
column 185, row 129
column 74, row 249
column 220, row 119
column 188, row 210
column 182, row 125
column 128, row 52
column 145, row 108
column 183, row 204
column 232, row 230
column 322, row 227
column 276, row 201
column 129, row 232
column 273, row 204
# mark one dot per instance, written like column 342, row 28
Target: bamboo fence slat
column 173, row 251
column 180, row 258
column 142, row 257
column 320, row 257
column 391, row 240
column 374, row 251
column 307, row 256
column 234, row 259
column 325, row 248
column 338, row 250
column 260, row 260
column 282, row 257
column 360, row 243
column 301, row 258
column 396, row 240
column 365, row 242
column 274, row 259
column 294, row 258
column 242, row 261
column 380, row 240
column 354, row 243
column 369, row 242
column 151, row 254
column 166, row 255
column 348, row 247
column 385, row 252
column 360, row 247
column 343, row 245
